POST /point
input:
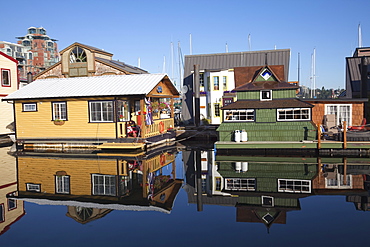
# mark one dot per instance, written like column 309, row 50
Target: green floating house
column 266, row 108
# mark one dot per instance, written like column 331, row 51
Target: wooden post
column 318, row 136
column 344, row 135
column 142, row 118
column 345, row 171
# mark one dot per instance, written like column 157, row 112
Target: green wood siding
column 276, row 94
column 278, row 202
column 269, row 131
column 265, row 115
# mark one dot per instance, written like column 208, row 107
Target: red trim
column 9, row 77
column 7, row 185
column 9, row 57
column 3, row 95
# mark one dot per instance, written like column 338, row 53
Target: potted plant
column 58, row 121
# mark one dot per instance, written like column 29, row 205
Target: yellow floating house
column 112, row 112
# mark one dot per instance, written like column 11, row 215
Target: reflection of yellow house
column 11, row 210
column 95, row 110
column 92, row 187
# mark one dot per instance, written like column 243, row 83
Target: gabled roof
column 244, row 75
column 268, row 104
column 111, row 85
column 90, row 48
column 221, row 61
column 8, row 57
column 265, row 85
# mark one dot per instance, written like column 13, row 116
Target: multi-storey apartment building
column 34, row 52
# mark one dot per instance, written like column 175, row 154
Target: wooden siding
column 40, row 125
column 277, row 131
column 276, row 94
column 43, row 171
column 318, row 112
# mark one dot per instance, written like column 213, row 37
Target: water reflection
column 10, row 210
column 91, row 186
column 262, row 190
column 265, row 189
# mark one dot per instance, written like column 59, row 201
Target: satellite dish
column 184, row 89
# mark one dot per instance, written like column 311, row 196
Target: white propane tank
column 238, row 166
column 244, row 136
column 244, row 166
column 237, row 135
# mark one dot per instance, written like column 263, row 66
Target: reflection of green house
column 267, row 108
column 266, row 191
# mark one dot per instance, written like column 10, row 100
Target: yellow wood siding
column 43, row 171
column 40, row 125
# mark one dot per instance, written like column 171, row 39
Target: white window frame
column 294, row 185
column 59, row 110
column 268, row 197
column 238, row 115
column 337, row 110
column 29, row 107
column 33, row 187
column 294, row 114
column 105, row 113
column 337, row 182
column 216, row 83
column 263, row 96
column 104, row 187
column 240, row 184
column 62, row 184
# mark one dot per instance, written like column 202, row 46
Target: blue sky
column 145, row 29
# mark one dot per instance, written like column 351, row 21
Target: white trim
column 236, row 115
column 294, row 185
column 293, row 114
column 338, row 112
column 268, row 96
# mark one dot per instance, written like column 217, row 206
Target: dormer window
column 266, row 95
column 266, row 74
column 77, row 55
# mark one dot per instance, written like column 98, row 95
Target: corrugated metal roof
column 220, row 61
column 122, row 66
column 111, row 85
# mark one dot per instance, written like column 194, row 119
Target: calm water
column 182, row 197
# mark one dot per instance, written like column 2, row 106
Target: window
column 12, row 204
column 217, row 109
column 337, row 182
column 77, row 55
column 224, row 82
column 104, row 185
column 59, row 110
column 33, row 187
column 5, row 77
column 101, row 111
column 266, row 95
column 294, row 186
column 243, row 184
column 218, row 183
column 123, row 110
column 227, row 101
column 62, row 184
column 342, row 112
column 267, row 201
column 294, row 114
column 201, row 79
column 239, row 115
column 2, row 214
column 216, row 83
column 29, row 106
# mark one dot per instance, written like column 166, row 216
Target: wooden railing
column 160, row 126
